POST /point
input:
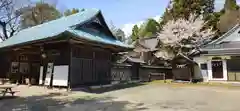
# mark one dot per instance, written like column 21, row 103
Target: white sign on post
column 48, row 74
column 41, row 75
column 60, row 76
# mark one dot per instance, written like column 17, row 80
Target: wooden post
column 191, row 72
column 164, row 77
column 149, row 77
column 18, row 73
column 70, row 52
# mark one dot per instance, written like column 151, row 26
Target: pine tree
column 184, row 8
column 209, row 7
column 230, row 16
column 231, row 5
column 38, row 14
column 71, row 11
column 149, row 28
column 135, row 32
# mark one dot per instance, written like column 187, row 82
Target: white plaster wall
column 209, row 65
column 198, row 73
column 200, row 59
column 207, row 74
column 225, row 76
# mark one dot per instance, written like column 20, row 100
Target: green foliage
column 230, row 16
column 208, row 6
column 135, row 32
column 38, row 14
column 183, row 8
column 231, row 5
column 147, row 29
column 213, row 21
column 70, row 12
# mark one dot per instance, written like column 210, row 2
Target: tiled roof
column 59, row 26
column 146, row 44
column 101, row 38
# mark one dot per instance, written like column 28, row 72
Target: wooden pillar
column 70, row 52
column 135, row 71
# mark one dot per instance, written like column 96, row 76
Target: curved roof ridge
column 226, row 34
column 51, row 28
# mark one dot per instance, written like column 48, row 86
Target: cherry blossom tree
column 183, row 35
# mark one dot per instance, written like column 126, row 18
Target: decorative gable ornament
column 97, row 21
column 181, row 66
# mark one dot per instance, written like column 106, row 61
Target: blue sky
column 124, row 13
column 121, row 12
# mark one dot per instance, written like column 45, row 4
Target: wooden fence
column 126, row 72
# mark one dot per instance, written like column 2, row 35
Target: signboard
column 60, row 75
column 48, row 74
column 41, row 75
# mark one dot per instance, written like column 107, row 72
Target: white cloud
column 127, row 28
column 157, row 18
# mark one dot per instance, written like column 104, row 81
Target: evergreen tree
column 149, row 28
column 231, row 5
column 230, row 16
column 71, row 11
column 38, row 14
column 184, row 8
column 208, row 7
column 135, row 32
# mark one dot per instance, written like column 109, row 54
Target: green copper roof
column 96, row 37
column 56, row 27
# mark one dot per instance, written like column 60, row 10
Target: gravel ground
column 152, row 97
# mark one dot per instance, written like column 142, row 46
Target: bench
column 4, row 89
column 156, row 74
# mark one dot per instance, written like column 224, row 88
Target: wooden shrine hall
column 71, row 51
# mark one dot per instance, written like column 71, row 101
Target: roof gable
column 98, row 24
column 232, row 35
column 50, row 29
column 146, row 44
column 67, row 24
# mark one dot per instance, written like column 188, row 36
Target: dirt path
column 169, row 98
column 153, row 97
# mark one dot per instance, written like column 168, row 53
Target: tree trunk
column 4, row 30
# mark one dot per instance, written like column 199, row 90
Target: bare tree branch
column 9, row 18
column 5, row 3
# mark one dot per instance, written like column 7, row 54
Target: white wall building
column 220, row 59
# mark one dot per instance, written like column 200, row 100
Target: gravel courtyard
column 153, row 97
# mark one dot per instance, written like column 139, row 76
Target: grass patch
column 115, row 87
column 80, row 97
column 169, row 81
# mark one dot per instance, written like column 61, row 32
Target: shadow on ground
column 49, row 103
column 108, row 88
